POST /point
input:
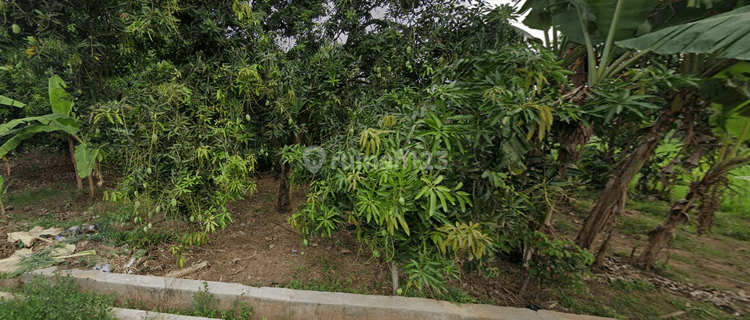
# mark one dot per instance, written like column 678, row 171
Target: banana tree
column 586, row 23
column 732, row 154
column 723, row 36
column 11, row 103
column 60, row 119
column 731, row 125
column 3, row 191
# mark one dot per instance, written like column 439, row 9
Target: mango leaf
column 727, row 34
column 10, row 102
column 23, row 134
column 85, row 159
column 61, row 101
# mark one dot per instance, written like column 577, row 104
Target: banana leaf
column 726, row 34
column 60, row 100
column 23, row 134
column 85, row 159
column 10, row 102
column 56, row 121
column 596, row 14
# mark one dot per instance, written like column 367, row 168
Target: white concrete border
column 279, row 303
column 130, row 314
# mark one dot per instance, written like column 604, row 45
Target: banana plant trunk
column 92, row 191
column 79, row 181
column 2, row 210
column 661, row 236
column 612, row 200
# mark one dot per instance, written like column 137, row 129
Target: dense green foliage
column 433, row 131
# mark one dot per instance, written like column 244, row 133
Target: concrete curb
column 130, row 314
column 279, row 303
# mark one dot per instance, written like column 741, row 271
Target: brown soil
column 6, row 248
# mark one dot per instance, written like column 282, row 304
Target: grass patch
column 56, row 298
column 61, row 191
column 651, row 208
column 48, row 221
column 639, row 225
column 325, row 284
column 595, row 306
column 634, row 285
column 733, row 225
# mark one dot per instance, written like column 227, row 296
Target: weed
column 634, row 285
column 56, row 298
column 131, row 303
column 110, row 234
column 206, row 305
column 452, row 294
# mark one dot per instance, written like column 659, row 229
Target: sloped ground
column 704, row 278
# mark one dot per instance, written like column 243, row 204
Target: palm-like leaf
column 726, row 34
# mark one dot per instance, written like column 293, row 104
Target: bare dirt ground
column 261, row 249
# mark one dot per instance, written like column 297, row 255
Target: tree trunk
column 662, row 235
column 2, row 210
column 572, row 144
column 92, row 192
column 98, row 173
column 599, row 261
column 7, row 166
column 283, row 200
column 79, row 181
column 709, row 206
column 394, row 278
column 612, row 200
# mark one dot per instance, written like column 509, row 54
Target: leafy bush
column 434, row 185
column 176, row 155
column 560, row 262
